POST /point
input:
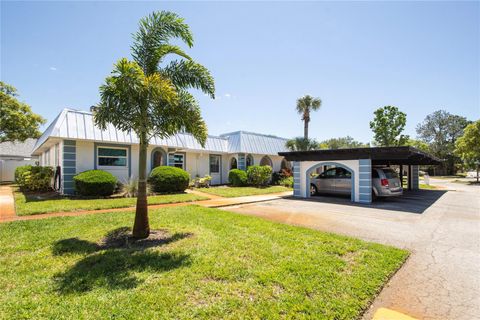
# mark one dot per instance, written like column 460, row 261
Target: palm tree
column 150, row 98
column 301, row 144
column 305, row 105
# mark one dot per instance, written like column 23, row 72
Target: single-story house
column 13, row 155
column 74, row 144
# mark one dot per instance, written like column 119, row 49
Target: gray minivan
column 385, row 182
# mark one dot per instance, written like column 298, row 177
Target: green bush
column 286, row 182
column 34, row 178
column 169, row 179
column 237, row 177
column 95, row 183
column 259, row 175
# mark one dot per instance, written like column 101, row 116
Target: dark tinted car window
column 330, row 173
column 374, row 173
column 390, row 174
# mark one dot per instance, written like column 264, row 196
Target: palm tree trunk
column 141, row 227
column 305, row 130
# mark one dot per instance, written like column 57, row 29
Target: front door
column 215, row 169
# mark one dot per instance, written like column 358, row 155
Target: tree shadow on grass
column 112, row 263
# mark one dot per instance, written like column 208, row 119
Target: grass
column 34, row 203
column 216, row 265
column 427, row 186
column 231, row 192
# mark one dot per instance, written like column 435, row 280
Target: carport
column 359, row 162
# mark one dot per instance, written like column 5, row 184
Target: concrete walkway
column 440, row 280
column 7, row 206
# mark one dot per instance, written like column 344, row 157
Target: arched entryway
column 249, row 160
column 266, row 161
column 285, row 165
column 159, row 158
column 233, row 163
column 313, row 169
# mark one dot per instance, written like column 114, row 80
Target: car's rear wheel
column 313, row 190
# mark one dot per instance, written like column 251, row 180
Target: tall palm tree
column 302, row 144
column 305, row 105
column 150, row 97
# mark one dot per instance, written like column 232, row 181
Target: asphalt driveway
column 441, row 279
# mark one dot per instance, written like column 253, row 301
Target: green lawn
column 28, row 204
column 231, row 192
column 216, row 264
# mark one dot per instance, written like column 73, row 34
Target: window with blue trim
column 112, row 157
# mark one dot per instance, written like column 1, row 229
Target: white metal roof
column 79, row 125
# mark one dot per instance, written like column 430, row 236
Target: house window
column 214, row 164
column 112, row 157
column 249, row 160
column 179, row 160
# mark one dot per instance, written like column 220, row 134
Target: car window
column 343, row 173
column 390, row 174
column 375, row 173
column 330, row 173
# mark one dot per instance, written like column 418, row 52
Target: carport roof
column 379, row 155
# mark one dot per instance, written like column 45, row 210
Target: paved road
column 441, row 279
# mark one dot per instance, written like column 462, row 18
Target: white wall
column 8, row 166
column 306, row 165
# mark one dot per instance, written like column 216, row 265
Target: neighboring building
column 74, row 143
column 13, row 155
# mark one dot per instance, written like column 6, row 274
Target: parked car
column 385, row 182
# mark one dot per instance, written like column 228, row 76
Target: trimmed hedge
column 95, row 183
column 237, row 177
column 259, row 175
column 34, row 178
column 169, row 179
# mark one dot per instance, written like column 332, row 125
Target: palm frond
column 189, row 74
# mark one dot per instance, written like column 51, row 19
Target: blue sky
column 355, row 56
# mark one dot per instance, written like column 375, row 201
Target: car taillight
column 384, row 182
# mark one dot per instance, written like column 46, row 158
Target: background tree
column 388, row 125
column 342, row 143
column 305, row 105
column 441, row 130
column 151, row 98
column 302, row 144
column 419, row 144
column 467, row 146
column 17, row 121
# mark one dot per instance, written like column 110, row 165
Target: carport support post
column 401, row 176
column 296, row 179
column 364, row 181
column 409, row 177
column 415, row 178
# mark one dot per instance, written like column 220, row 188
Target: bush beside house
column 95, row 183
column 34, row 178
column 237, row 178
column 259, row 175
column 169, row 179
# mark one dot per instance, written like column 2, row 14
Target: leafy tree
column 419, row 144
column 467, row 146
column 17, row 121
column 305, row 105
column 150, row 97
column 388, row 125
column 302, row 144
column 342, row 143
column 441, row 130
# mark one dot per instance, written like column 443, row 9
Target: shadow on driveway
column 413, row 201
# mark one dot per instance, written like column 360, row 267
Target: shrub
column 280, row 175
column 286, row 182
column 237, row 177
column 129, row 188
column 259, row 175
column 169, row 179
column 95, row 183
column 34, row 178
column 202, row 182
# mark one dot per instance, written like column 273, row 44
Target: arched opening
column 159, row 158
column 337, row 179
column 249, row 161
column 233, row 163
column 285, row 165
column 266, row 161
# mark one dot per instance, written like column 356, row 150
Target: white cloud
column 53, row 68
column 228, row 95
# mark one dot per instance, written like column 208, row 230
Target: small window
column 179, row 160
column 214, row 164
column 112, row 157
